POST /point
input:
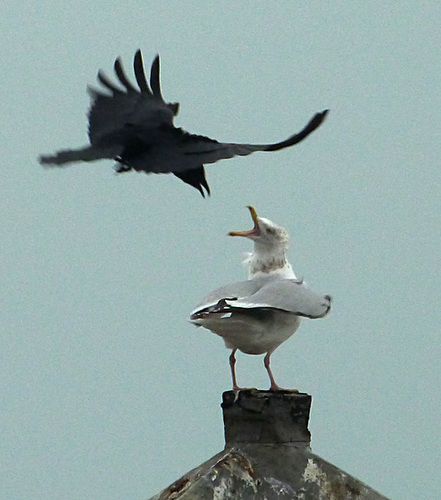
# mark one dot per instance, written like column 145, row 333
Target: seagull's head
column 265, row 234
column 270, row 245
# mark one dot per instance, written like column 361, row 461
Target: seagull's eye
column 270, row 230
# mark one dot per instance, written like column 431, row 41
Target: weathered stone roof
column 267, row 456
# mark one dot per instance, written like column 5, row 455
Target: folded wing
column 291, row 296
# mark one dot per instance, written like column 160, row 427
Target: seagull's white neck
column 264, row 262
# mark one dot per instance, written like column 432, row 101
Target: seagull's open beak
column 252, row 233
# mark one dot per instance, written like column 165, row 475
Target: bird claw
column 237, row 390
column 276, row 388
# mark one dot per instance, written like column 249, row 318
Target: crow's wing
column 207, row 150
column 112, row 111
column 168, row 149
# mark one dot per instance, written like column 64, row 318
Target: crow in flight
column 134, row 126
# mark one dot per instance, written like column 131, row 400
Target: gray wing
column 231, row 291
column 287, row 295
column 292, row 296
column 115, row 107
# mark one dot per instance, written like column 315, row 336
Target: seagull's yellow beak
column 252, row 232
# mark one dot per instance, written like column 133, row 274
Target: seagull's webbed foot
column 276, row 388
column 237, row 390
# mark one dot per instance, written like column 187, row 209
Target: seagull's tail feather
column 71, row 155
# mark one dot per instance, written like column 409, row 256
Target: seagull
column 134, row 126
column 258, row 315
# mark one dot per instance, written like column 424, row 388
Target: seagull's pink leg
column 274, row 386
column 236, row 388
column 266, row 362
column 233, row 370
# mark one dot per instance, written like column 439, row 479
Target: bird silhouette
column 134, row 126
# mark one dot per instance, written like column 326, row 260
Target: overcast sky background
column 107, row 392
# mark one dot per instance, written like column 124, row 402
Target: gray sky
column 107, row 391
